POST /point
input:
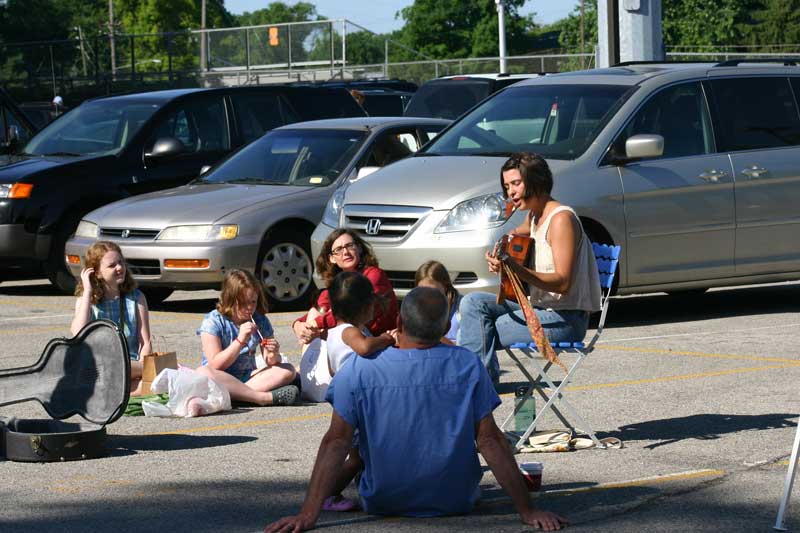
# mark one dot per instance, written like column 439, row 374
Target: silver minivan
column 694, row 169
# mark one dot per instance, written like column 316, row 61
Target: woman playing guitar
column 564, row 284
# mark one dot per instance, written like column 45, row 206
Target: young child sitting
column 107, row 290
column 233, row 334
column 434, row 274
column 352, row 298
column 352, row 302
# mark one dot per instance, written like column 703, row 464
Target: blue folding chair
column 607, row 258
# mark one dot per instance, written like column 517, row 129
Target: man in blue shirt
column 420, row 409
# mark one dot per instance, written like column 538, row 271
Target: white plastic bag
column 183, row 385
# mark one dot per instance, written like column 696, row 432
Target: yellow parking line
column 241, row 425
column 702, row 354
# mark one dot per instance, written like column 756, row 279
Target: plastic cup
column 532, row 474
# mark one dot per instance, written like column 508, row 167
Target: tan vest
column 584, row 293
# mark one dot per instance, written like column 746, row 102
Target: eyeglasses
column 339, row 250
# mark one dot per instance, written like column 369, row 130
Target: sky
column 378, row 15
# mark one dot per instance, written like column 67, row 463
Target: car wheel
column 55, row 267
column 285, row 268
column 156, row 295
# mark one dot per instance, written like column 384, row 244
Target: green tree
column 278, row 12
column 775, row 22
column 710, row 23
column 462, row 28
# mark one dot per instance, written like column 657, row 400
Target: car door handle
column 754, row 172
column 713, row 176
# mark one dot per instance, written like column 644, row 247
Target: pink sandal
column 339, row 504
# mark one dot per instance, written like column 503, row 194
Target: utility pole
column 111, row 38
column 203, row 61
column 582, row 36
column 501, row 28
column 83, row 51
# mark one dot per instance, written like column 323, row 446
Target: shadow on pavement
column 130, row 444
column 700, row 427
column 665, row 309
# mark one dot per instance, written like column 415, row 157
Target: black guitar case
column 87, row 375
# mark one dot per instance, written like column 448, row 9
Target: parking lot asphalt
column 701, row 389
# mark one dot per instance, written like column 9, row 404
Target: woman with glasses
column 345, row 251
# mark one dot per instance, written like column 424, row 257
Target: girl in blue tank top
column 108, row 291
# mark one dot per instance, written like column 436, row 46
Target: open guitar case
column 87, row 375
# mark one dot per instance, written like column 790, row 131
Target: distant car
column 112, row 148
column 451, row 96
column 255, row 211
column 385, row 102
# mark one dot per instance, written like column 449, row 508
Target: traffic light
column 273, row 36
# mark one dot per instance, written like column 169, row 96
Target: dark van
column 112, row 148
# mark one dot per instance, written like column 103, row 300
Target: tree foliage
column 463, row 28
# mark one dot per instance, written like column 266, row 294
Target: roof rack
column 787, row 62
column 630, row 63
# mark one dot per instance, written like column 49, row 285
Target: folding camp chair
column 607, row 258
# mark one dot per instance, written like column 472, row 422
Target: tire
column 284, row 267
column 55, row 267
column 156, row 295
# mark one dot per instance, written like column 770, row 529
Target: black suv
column 111, row 148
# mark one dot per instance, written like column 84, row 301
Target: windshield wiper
column 426, row 154
column 255, row 180
column 491, row 154
column 73, row 154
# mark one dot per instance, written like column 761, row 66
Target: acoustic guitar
column 519, row 249
column 87, row 375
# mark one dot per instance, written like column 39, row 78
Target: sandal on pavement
column 286, row 395
column 339, row 504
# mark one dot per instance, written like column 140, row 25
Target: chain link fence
column 275, row 53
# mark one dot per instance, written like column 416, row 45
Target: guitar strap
column 534, row 325
column 123, row 317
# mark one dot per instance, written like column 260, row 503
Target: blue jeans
column 486, row 326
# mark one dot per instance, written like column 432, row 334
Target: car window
column 448, row 98
column 257, row 114
column 96, row 127
column 756, row 113
column 199, row 123
column 313, row 103
column 291, row 157
column 390, row 146
column 680, row 115
column 429, row 132
column 557, row 121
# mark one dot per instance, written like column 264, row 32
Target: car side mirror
column 165, row 148
column 644, row 145
column 366, row 171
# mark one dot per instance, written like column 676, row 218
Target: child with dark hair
column 352, row 303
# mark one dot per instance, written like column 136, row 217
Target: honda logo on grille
column 125, row 233
column 373, row 226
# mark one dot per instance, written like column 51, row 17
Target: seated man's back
column 417, row 412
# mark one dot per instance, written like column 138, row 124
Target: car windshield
column 101, row 127
column 291, row 157
column 556, row 121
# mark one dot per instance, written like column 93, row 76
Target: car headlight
column 333, row 208
column 476, row 213
column 86, row 229
column 206, row 232
column 15, row 190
